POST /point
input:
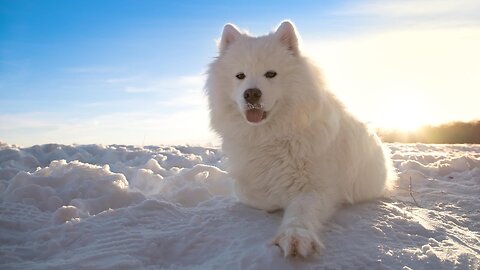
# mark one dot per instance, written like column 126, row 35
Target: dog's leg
column 302, row 222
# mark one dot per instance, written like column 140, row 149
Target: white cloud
column 459, row 9
column 32, row 120
column 92, row 69
column 143, row 84
column 189, row 99
column 122, row 80
column 180, row 127
column 181, row 118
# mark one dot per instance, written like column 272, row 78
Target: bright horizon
column 131, row 72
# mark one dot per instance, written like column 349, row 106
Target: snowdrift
column 125, row 207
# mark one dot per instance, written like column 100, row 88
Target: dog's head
column 254, row 74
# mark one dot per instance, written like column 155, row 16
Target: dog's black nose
column 252, row 95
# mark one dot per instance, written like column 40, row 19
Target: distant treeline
column 455, row 132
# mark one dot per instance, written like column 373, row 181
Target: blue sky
column 131, row 71
column 55, row 54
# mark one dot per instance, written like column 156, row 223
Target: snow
column 126, row 207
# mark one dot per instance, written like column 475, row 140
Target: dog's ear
column 287, row 34
column 230, row 34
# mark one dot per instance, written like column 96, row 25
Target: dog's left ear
column 287, row 35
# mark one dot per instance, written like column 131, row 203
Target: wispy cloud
column 179, row 118
column 147, row 84
column 122, row 80
column 444, row 11
column 92, row 69
column 31, row 120
column 188, row 99
column 178, row 127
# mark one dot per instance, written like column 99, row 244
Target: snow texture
column 125, row 207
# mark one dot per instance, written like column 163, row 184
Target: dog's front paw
column 297, row 241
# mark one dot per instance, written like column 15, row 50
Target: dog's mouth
column 255, row 113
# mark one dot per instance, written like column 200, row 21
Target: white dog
column 290, row 143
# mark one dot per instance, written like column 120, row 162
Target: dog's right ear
column 287, row 34
column 230, row 34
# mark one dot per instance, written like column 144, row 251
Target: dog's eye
column 270, row 74
column 240, row 76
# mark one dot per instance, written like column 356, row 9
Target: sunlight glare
column 402, row 111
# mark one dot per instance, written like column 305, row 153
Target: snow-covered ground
column 125, row 207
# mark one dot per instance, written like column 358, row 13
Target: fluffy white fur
column 309, row 155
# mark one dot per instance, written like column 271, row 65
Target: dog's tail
column 392, row 174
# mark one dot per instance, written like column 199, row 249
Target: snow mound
column 126, row 207
column 88, row 188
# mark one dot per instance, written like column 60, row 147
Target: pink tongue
column 254, row 115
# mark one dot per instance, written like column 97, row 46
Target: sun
column 402, row 112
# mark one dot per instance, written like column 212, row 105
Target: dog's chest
column 267, row 177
